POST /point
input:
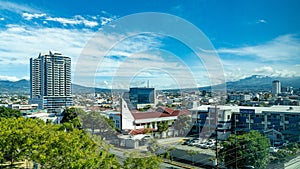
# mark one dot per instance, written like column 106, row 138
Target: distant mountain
column 258, row 82
column 252, row 83
column 23, row 87
column 18, row 87
column 78, row 89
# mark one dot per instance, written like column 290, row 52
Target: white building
column 133, row 119
column 276, row 87
column 50, row 81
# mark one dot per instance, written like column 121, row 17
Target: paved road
column 293, row 164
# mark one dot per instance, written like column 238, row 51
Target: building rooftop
column 158, row 113
column 288, row 109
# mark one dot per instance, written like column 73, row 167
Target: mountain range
column 252, row 83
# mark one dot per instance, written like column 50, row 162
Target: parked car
column 208, row 145
column 186, row 141
column 273, row 149
column 212, row 141
column 194, row 143
column 201, row 144
column 214, row 147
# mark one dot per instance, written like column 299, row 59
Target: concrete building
column 239, row 97
column 276, row 87
column 115, row 116
column 50, row 81
column 23, row 106
column 208, row 118
column 280, row 119
column 133, row 119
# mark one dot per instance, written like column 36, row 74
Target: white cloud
column 90, row 23
column 239, row 69
column 2, row 19
column 261, row 21
column 264, row 70
column 64, row 21
column 28, row 16
column 17, row 8
column 270, row 71
column 77, row 20
column 10, row 78
column 282, row 48
column 18, row 44
column 105, row 20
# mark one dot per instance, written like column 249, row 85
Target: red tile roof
column 148, row 115
column 141, row 131
column 165, row 109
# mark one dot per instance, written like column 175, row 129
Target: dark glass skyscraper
column 142, row 95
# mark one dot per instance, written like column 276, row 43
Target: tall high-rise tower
column 276, row 88
column 50, row 81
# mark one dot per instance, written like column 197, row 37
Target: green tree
column 15, row 139
column 251, row 149
column 70, row 114
column 136, row 160
column 95, row 121
column 8, row 112
column 162, row 126
column 183, row 124
column 51, row 146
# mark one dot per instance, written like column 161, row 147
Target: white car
column 201, row 144
column 208, row 145
column 212, row 141
column 273, row 149
column 194, row 143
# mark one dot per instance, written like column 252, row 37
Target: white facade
column 148, row 119
column 127, row 118
column 276, row 87
column 50, row 81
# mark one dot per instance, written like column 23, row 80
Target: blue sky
column 250, row 37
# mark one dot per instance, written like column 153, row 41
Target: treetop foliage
column 250, row 149
column 51, row 146
column 8, row 112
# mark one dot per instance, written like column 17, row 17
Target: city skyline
column 250, row 37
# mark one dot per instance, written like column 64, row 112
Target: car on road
column 214, row 147
column 212, row 141
column 273, row 149
column 201, row 144
column 194, row 142
column 208, row 145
